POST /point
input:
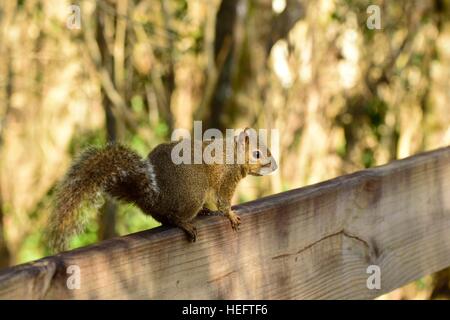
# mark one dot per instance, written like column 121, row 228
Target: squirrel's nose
column 274, row 166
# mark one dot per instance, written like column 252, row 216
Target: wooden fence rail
column 313, row 242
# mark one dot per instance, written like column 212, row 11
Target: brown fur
column 174, row 195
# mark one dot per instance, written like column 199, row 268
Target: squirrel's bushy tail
column 115, row 169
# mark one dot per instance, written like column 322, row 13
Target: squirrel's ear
column 243, row 137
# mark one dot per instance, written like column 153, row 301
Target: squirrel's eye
column 256, row 154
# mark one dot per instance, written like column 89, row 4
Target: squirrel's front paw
column 235, row 220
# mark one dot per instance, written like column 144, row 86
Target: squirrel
column 173, row 194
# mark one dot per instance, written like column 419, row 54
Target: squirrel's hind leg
column 189, row 229
column 187, row 226
column 174, row 221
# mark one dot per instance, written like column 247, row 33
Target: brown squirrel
column 173, row 194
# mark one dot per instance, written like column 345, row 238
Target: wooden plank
column 313, row 242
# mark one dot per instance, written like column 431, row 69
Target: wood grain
column 309, row 243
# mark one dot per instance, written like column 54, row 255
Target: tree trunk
column 107, row 220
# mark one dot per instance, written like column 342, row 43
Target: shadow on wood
column 312, row 242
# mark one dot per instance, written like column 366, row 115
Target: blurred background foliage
column 343, row 97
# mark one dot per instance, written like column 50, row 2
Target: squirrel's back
column 182, row 186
